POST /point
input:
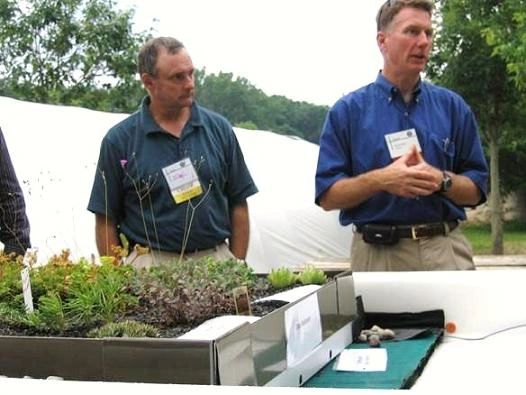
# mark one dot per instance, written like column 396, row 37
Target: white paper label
column 362, row 360
column 26, row 290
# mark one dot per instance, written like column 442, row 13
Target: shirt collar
column 150, row 125
column 392, row 91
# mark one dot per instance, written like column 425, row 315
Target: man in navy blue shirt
column 171, row 177
column 14, row 225
column 401, row 158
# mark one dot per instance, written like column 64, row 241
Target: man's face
column 173, row 84
column 407, row 41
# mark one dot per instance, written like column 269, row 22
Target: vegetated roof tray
column 252, row 354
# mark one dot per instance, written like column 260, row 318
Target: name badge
column 401, row 142
column 182, row 180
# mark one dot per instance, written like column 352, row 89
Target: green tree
column 465, row 62
column 236, row 98
column 75, row 52
column 509, row 39
column 245, row 105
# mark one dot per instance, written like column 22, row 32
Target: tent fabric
column 55, row 149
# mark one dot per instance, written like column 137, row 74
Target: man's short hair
column 148, row 54
column 391, row 8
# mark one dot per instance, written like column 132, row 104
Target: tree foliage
column 508, row 39
column 247, row 106
column 76, row 52
column 81, row 52
column 467, row 63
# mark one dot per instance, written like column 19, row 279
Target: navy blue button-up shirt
column 353, row 142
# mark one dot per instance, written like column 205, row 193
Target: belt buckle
column 414, row 231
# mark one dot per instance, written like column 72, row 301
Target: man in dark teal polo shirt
column 171, row 176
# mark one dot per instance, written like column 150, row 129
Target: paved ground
column 482, row 262
column 500, row 261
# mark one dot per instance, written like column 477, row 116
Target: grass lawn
column 480, row 237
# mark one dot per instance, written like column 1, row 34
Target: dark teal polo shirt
column 130, row 187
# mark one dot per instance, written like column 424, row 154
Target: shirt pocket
column 440, row 152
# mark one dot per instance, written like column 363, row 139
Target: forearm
column 463, row 191
column 105, row 235
column 350, row 192
column 240, row 231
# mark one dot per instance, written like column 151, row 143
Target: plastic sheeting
column 55, row 150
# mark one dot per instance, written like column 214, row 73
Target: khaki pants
column 154, row 258
column 451, row 252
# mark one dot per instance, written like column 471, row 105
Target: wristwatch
column 447, row 182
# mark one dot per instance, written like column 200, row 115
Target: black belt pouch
column 380, row 234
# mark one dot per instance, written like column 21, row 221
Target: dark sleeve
column 469, row 155
column 240, row 184
column 14, row 225
column 334, row 158
column 107, row 191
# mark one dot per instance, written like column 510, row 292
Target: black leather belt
column 419, row 231
column 132, row 243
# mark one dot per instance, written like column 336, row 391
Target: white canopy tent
column 55, row 149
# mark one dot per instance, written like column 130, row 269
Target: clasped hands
column 410, row 176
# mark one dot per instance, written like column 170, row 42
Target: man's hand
column 411, row 176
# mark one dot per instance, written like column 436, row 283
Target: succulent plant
column 124, row 329
column 282, row 277
column 312, row 275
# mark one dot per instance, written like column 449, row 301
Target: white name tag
column 401, row 142
column 182, row 180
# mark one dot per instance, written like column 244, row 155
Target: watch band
column 447, row 182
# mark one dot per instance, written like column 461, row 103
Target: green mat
column 405, row 361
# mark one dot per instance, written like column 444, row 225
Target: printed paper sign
column 400, row 143
column 302, row 329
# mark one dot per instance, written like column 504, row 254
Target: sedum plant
column 282, row 277
column 124, row 329
column 190, row 291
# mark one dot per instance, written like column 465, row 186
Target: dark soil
column 258, row 309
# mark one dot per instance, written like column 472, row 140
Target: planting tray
column 250, row 354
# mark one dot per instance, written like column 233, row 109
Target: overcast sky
column 308, row 50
